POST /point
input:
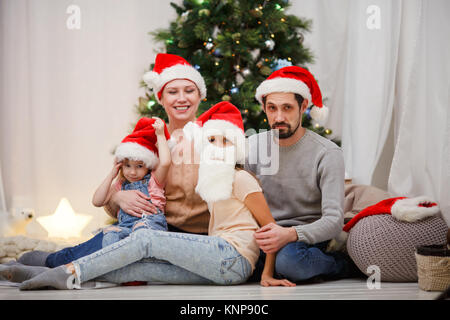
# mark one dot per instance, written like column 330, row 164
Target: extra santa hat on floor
column 401, row 208
column 298, row 80
column 223, row 119
column 140, row 145
column 169, row 67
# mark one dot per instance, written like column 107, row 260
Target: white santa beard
column 215, row 178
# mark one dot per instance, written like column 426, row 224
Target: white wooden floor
column 347, row 289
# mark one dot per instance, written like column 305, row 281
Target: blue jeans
column 186, row 258
column 69, row 254
column 299, row 261
column 128, row 224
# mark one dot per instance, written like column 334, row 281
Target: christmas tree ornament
column 265, row 70
column 218, row 87
column 270, row 44
column 280, row 63
column 204, row 13
column 239, row 79
column 184, row 16
column 208, row 45
column 256, row 13
column 226, row 97
column 307, row 113
column 150, row 104
column 245, row 72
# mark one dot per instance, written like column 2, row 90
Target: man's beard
column 215, row 174
column 288, row 130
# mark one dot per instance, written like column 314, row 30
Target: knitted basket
column 383, row 241
column 433, row 267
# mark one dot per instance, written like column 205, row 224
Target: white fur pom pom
column 319, row 114
column 151, row 79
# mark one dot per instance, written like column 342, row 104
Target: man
column 306, row 193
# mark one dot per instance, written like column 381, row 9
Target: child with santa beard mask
column 226, row 256
column 234, row 196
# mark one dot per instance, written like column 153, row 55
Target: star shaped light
column 64, row 223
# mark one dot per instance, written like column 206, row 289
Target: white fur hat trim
column 134, row 151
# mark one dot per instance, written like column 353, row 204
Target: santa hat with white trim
column 223, row 119
column 298, row 80
column 140, row 145
column 169, row 67
column 401, row 208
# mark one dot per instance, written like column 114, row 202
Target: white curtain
column 421, row 161
column 373, row 75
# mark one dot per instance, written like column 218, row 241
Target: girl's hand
column 267, row 281
column 116, row 168
column 159, row 126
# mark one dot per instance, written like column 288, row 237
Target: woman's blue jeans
column 167, row 257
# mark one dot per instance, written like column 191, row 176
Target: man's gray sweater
column 303, row 184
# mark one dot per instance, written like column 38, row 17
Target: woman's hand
column 267, row 281
column 134, row 202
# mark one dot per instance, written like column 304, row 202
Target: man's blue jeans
column 299, row 261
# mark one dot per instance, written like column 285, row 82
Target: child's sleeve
column 157, row 193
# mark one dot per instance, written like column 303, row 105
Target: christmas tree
column 235, row 45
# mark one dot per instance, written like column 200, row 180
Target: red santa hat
column 140, row 145
column 223, row 119
column 401, row 208
column 298, row 80
column 169, row 67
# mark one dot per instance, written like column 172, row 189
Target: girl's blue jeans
column 167, row 257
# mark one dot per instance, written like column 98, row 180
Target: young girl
column 138, row 167
column 226, row 256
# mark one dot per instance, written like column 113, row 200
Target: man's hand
column 134, row 202
column 273, row 237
